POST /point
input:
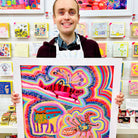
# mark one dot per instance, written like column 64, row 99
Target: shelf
column 120, row 130
column 8, row 129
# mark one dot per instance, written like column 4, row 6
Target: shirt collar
column 63, row 44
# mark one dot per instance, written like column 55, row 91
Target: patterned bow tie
column 71, row 47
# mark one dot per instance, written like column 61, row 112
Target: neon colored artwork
column 103, row 49
column 133, row 87
column 134, row 29
column 4, row 30
column 5, row 50
column 135, row 49
column 19, row 4
column 5, row 87
column 66, row 101
column 102, row 4
column 134, row 69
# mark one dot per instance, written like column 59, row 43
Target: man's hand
column 119, row 99
column 15, row 98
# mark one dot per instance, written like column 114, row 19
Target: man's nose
column 66, row 15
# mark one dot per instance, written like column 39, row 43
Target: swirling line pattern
column 96, row 83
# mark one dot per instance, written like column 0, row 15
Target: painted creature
column 46, row 116
column 79, row 125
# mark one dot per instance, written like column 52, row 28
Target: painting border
column 117, row 63
column 24, row 11
column 125, row 12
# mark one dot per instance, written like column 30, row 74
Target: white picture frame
column 114, row 12
column 113, row 64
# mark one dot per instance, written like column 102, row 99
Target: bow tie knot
column 71, row 47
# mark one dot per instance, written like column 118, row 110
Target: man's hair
column 55, row 4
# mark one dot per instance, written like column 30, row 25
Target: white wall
column 5, row 100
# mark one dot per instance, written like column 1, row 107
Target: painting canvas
column 117, row 30
column 41, row 30
column 72, row 98
column 5, row 50
column 120, row 49
column 100, row 29
column 134, row 29
column 82, row 29
column 5, row 87
column 21, row 6
column 135, row 49
column 103, row 48
column 21, row 30
column 133, row 87
column 6, row 69
column 105, row 7
column 4, row 30
column 134, row 68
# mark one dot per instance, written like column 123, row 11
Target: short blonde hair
column 55, row 4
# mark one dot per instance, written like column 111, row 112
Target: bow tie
column 71, row 47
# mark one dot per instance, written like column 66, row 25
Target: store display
column 21, row 50
column 4, row 30
column 5, row 50
column 134, row 69
column 82, row 28
column 120, row 49
column 21, row 30
column 133, row 87
column 103, row 48
column 5, row 87
column 134, row 29
column 135, row 49
column 41, row 30
column 117, row 30
column 99, row 29
column 6, row 69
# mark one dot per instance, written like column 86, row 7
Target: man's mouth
column 66, row 24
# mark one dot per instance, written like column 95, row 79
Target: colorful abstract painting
column 134, row 29
column 120, row 49
column 5, row 87
column 135, row 49
column 133, row 87
column 41, row 30
column 5, row 50
column 105, row 7
column 4, row 30
column 134, row 68
column 67, row 101
column 99, row 29
column 21, row 6
column 21, row 30
column 102, row 4
column 82, row 29
column 103, row 48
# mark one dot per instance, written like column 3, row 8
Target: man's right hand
column 15, row 98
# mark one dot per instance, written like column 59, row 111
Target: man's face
column 66, row 16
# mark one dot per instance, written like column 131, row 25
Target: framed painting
column 21, row 6
column 68, row 98
column 105, row 7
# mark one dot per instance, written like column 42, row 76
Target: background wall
column 6, row 100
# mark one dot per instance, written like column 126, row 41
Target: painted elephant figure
column 46, row 119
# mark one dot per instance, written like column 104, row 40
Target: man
column 68, row 44
column 66, row 17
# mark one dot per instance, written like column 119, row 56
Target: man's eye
column 61, row 13
column 72, row 12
